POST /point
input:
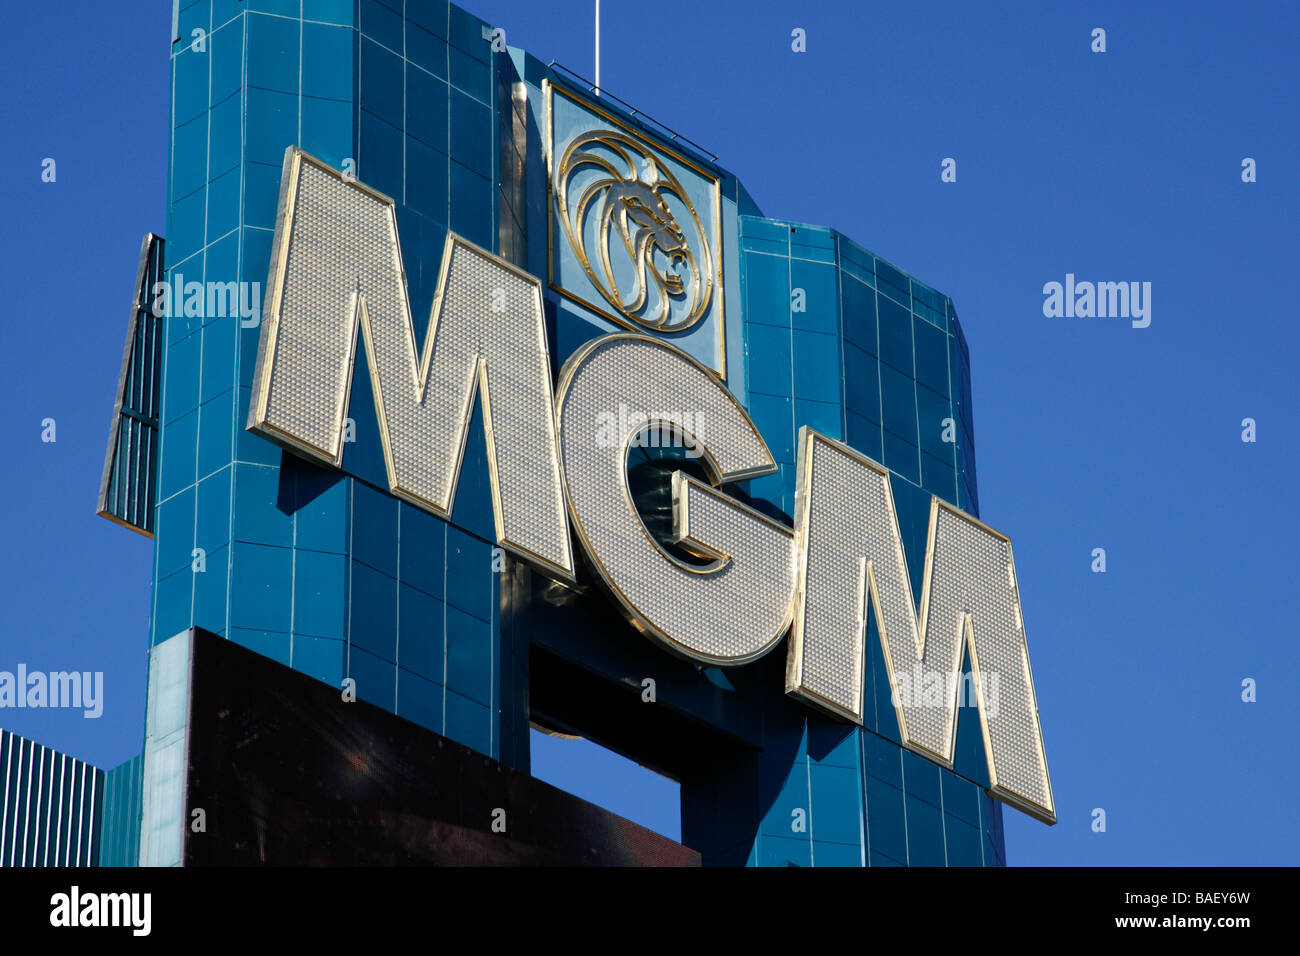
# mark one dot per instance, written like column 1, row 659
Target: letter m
column 65, row 688
column 1115, row 298
column 223, row 299
column 337, row 275
column 115, row 909
column 852, row 569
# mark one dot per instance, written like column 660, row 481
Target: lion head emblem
column 652, row 265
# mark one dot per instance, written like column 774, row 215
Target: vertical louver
column 128, row 489
column 49, row 806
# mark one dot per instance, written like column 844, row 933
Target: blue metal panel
column 119, row 831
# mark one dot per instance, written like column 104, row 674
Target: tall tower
column 628, row 227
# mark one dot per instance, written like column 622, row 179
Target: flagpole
column 598, row 47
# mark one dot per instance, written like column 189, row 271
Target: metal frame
column 549, row 88
column 141, row 304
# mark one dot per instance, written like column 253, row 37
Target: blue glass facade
column 328, row 573
column 839, row 340
column 844, row 342
column 324, row 571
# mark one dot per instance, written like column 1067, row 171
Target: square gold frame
column 549, row 89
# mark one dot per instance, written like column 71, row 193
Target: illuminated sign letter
column 852, row 561
column 337, row 268
column 336, row 276
column 736, row 607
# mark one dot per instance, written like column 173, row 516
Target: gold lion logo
column 671, row 286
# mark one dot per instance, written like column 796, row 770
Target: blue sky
column 1115, row 166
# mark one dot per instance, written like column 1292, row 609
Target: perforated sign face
column 735, row 608
column 337, row 272
column 556, row 458
column 853, row 564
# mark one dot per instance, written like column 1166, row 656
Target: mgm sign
column 337, row 277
